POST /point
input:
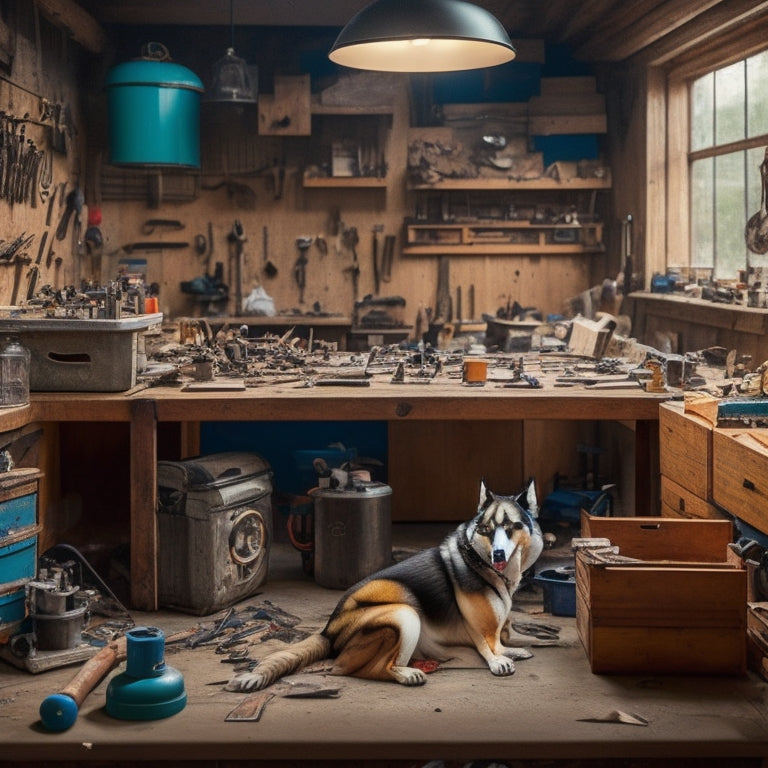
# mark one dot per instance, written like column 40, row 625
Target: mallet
column 58, row 712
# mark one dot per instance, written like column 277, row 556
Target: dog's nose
column 499, row 556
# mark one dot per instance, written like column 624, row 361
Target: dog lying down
column 456, row 594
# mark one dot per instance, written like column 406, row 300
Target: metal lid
column 149, row 72
column 360, row 490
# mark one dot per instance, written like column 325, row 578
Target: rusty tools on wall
column 237, row 238
column 350, row 238
column 20, row 162
column 300, row 267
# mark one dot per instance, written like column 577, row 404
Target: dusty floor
column 552, row 712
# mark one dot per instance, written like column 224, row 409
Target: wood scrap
column 251, row 708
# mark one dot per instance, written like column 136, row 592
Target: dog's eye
column 515, row 526
column 484, row 530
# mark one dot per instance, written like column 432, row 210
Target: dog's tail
column 281, row 663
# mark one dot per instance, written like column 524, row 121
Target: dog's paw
column 501, row 666
column 247, row 681
column 408, row 676
column 518, row 653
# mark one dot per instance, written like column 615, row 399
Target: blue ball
column 58, row 712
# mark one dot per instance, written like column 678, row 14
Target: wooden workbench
column 441, row 400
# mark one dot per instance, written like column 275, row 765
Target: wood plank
column 567, row 86
column 652, row 538
column 76, row 21
column 555, row 125
column 631, row 27
column 685, row 450
column 467, row 452
column 727, row 15
column 679, row 502
column 740, row 476
column 143, row 475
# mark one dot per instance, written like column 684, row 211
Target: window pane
column 729, row 104
column 730, row 215
column 702, row 216
column 702, row 112
column 757, row 99
column 754, row 185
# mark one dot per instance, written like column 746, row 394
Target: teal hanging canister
column 154, row 111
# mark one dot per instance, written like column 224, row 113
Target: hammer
column 58, row 712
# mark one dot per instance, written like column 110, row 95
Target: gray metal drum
column 353, row 533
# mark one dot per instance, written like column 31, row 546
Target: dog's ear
column 486, row 495
column 530, row 497
column 527, row 499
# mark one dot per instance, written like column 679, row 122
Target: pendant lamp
column 231, row 83
column 422, row 36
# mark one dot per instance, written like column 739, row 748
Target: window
column 728, row 133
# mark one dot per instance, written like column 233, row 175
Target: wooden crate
column 685, row 449
column 681, row 609
column 740, row 474
column 677, row 501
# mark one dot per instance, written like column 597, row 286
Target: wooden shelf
column 358, row 182
column 483, row 237
column 326, row 109
column 566, row 185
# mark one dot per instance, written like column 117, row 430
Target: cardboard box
column 68, row 355
column 680, row 608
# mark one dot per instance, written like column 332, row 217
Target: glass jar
column 14, row 373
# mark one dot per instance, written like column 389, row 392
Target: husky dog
column 456, row 594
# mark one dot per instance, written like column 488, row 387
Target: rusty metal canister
column 353, row 533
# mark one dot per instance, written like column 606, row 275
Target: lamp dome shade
column 422, row 36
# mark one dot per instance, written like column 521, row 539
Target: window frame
column 669, row 240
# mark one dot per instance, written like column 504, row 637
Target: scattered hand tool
column 150, row 225
column 32, row 276
column 75, row 202
column 46, row 175
column 270, row 270
column 153, row 245
column 350, row 239
column 58, row 712
column 377, row 228
column 387, row 256
column 237, row 237
column 41, row 249
column 300, row 267
column 49, row 213
column 21, row 261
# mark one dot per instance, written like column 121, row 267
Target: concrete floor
column 547, row 714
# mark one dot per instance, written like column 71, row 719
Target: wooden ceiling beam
column 591, row 12
column 77, row 23
column 635, row 26
column 719, row 20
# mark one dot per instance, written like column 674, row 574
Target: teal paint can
column 153, row 112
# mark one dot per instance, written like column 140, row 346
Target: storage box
column 69, row 355
column 18, row 558
column 13, row 611
column 18, row 500
column 677, row 501
column 215, row 530
column 740, row 474
column 685, row 449
column 679, row 609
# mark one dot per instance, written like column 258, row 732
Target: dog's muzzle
column 499, row 559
